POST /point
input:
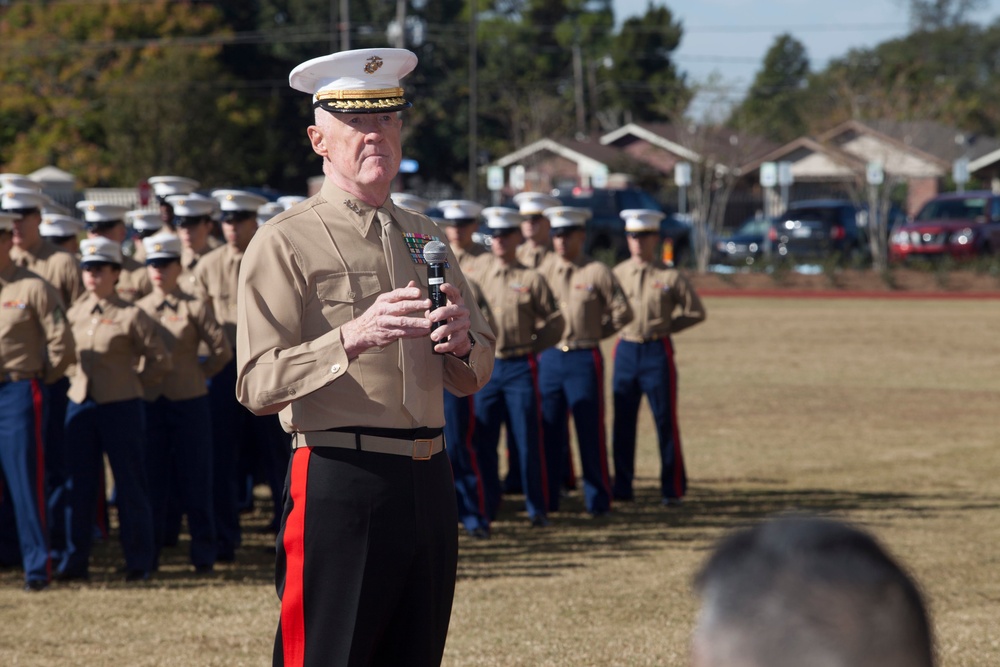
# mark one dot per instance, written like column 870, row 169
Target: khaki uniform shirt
column 188, row 280
column 532, row 256
column 118, row 350
column 522, row 310
column 133, row 282
column 662, row 299
column 35, row 339
column 471, row 259
column 590, row 298
column 184, row 322
column 307, row 272
column 56, row 266
column 218, row 272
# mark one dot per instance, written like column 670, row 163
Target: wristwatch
column 472, row 345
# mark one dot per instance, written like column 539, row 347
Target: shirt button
column 291, row 392
column 350, row 294
column 335, row 368
column 90, row 332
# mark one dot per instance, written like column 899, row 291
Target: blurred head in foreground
column 804, row 591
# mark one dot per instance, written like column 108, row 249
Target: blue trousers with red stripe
column 512, row 397
column 573, row 382
column 459, row 427
column 647, row 368
column 22, row 460
column 118, row 430
column 366, row 561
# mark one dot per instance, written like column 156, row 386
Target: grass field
column 881, row 412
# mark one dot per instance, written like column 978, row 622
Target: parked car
column 744, row 246
column 956, row 224
column 819, row 228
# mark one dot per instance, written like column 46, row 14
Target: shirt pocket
column 346, row 295
column 16, row 330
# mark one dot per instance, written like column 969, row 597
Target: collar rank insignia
column 351, row 205
column 415, row 244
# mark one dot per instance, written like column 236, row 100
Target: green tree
column 926, row 15
column 645, row 84
column 773, row 104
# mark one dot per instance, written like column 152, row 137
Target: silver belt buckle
column 418, row 446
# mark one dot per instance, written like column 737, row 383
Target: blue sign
column 408, row 166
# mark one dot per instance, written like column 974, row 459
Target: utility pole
column 581, row 114
column 401, row 23
column 471, row 187
column 345, row 25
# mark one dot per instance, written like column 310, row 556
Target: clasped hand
column 391, row 318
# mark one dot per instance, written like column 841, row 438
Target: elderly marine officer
column 238, row 436
column 459, row 218
column 61, row 270
column 334, row 333
column 178, row 420
column 106, row 220
column 167, row 186
column 663, row 303
column 143, row 223
column 105, row 414
column 36, row 344
column 571, row 374
column 535, row 227
column 522, row 312
column 62, row 231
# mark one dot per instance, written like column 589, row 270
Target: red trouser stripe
column 470, row 451
column 668, row 347
column 36, row 404
column 533, row 366
column 293, row 621
column 602, row 436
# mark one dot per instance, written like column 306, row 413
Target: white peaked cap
column 143, row 220
column 410, row 202
column 534, row 203
column 97, row 212
column 642, row 219
column 358, row 81
column 162, row 246
column 460, row 209
column 567, row 216
column 501, row 217
column 164, row 186
column 60, row 225
column 100, row 249
column 238, row 200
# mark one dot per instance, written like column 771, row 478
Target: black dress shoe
column 479, row 533
column 137, row 575
column 540, row 521
column 36, row 585
column 64, row 577
column 204, row 569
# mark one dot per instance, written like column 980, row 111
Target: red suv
column 956, row 224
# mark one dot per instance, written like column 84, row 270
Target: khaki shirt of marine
column 35, row 340
column 532, row 256
column 218, row 273
column 188, row 280
column 521, row 309
column 59, row 268
column 590, row 298
column 662, row 300
column 184, row 322
column 114, row 339
column 308, row 271
column 133, row 281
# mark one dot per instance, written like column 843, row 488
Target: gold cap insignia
column 158, row 247
column 92, row 250
column 373, row 64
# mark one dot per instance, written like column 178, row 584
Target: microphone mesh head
column 435, row 252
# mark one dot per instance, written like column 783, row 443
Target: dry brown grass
column 881, row 412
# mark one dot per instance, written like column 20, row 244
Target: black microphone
column 436, row 254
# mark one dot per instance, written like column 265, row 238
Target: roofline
column 550, row 145
column 653, row 138
column 860, row 125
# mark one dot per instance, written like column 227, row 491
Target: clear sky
column 730, row 37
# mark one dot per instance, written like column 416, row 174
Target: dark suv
column 956, row 224
column 819, row 228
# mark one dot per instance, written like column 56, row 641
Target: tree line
column 114, row 91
